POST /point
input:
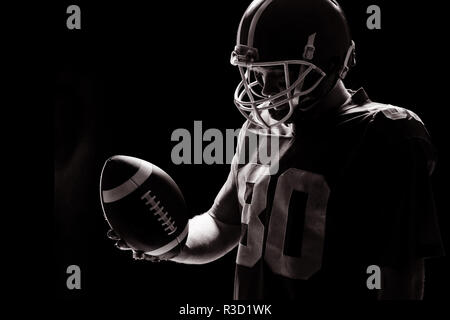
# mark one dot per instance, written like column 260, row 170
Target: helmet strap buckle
column 308, row 53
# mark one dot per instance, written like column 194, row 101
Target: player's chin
column 280, row 112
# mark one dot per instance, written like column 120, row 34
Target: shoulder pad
column 396, row 113
column 397, row 123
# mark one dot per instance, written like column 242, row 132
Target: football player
column 351, row 187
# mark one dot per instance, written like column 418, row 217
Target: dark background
column 134, row 73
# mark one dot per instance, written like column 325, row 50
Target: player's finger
column 151, row 258
column 138, row 255
column 122, row 245
column 111, row 234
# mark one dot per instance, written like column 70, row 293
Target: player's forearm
column 208, row 240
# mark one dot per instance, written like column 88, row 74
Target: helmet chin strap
column 308, row 55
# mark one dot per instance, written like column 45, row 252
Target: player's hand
column 121, row 245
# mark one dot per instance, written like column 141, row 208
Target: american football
column 143, row 205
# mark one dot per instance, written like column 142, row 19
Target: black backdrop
column 134, row 73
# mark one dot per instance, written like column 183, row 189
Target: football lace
column 163, row 215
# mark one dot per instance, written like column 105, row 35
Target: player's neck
column 336, row 97
column 332, row 100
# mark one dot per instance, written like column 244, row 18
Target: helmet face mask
column 250, row 99
column 306, row 41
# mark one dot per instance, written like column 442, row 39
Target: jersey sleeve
column 401, row 163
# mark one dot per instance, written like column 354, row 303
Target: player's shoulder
column 385, row 120
column 397, row 124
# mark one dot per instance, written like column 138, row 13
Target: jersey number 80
column 310, row 261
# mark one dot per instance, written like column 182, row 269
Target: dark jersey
column 319, row 205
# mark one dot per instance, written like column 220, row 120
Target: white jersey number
column 317, row 190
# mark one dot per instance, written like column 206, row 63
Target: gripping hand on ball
column 122, row 245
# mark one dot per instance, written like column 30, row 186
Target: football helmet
column 309, row 40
